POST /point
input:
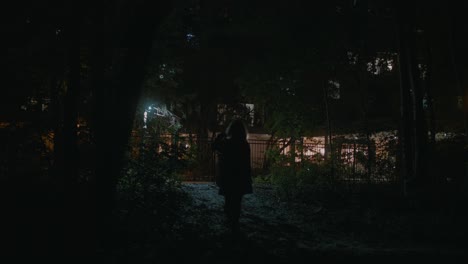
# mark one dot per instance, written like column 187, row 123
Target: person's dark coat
column 234, row 171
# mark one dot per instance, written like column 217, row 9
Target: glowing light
column 33, row 101
column 389, row 65
column 4, row 125
column 190, row 36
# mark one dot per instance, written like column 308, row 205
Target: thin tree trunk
column 328, row 151
column 69, row 170
column 56, row 119
column 414, row 137
column 457, row 76
column 405, row 136
column 354, row 159
column 430, row 99
column 361, row 79
column 463, row 92
column 71, row 105
column 432, row 121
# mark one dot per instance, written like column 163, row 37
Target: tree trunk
column 362, row 85
column 430, row 99
column 68, row 169
column 328, row 138
column 433, row 181
column 71, row 105
column 463, row 93
column 413, row 137
column 362, row 81
column 116, row 101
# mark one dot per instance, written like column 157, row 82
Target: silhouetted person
column 234, row 179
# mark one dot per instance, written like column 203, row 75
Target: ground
column 278, row 231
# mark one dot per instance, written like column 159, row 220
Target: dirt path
column 267, row 229
column 262, row 217
column 272, row 231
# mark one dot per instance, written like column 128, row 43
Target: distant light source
column 389, row 65
column 190, row 36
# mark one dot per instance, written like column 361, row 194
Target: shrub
column 148, row 192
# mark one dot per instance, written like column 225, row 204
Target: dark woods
column 94, row 89
column 89, row 60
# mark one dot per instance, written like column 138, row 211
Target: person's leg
column 237, row 205
column 236, row 210
column 228, row 207
column 231, row 211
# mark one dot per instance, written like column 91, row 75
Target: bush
column 149, row 194
column 285, row 181
column 300, row 180
column 296, row 181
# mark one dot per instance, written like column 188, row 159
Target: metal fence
column 353, row 162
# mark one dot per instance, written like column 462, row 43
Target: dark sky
column 233, row 34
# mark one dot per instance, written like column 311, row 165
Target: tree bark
column 116, row 100
column 413, row 137
column 328, row 138
column 463, row 93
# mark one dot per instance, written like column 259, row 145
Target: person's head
column 237, row 130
